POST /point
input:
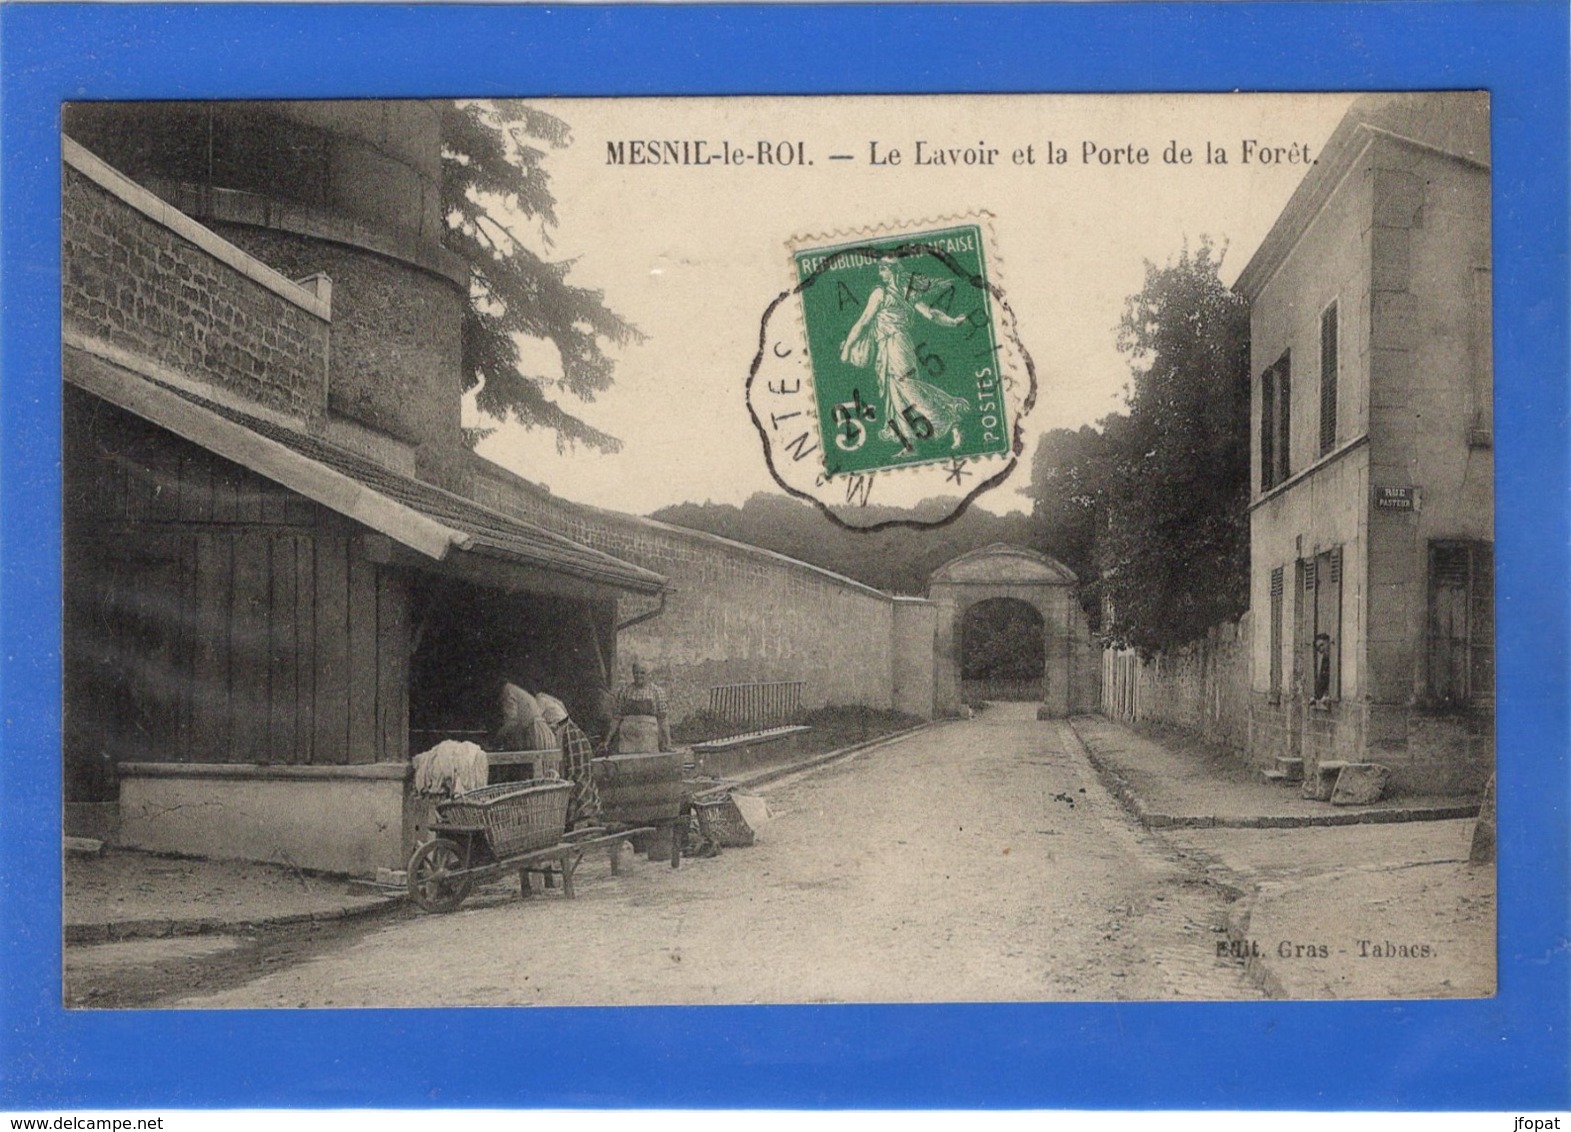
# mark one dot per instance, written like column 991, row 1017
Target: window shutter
column 1276, row 633
column 1451, row 565
column 1284, row 396
column 1481, row 625
column 1461, row 622
column 1267, row 430
column 1328, row 379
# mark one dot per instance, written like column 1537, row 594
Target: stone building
column 285, row 571
column 1371, row 521
column 272, row 593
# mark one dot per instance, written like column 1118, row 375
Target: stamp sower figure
column 1322, row 667
column 583, row 806
column 882, row 338
column 640, row 727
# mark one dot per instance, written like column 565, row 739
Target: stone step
column 1293, row 768
column 1320, row 787
column 1277, row 777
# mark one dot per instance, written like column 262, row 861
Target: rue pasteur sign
column 1396, row 499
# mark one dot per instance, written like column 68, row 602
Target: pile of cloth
column 450, row 768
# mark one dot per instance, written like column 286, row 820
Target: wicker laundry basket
column 518, row 817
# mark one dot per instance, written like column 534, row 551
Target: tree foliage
column 494, row 190
column 1160, row 492
column 1068, row 477
column 1002, row 639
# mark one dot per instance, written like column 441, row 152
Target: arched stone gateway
column 1010, row 626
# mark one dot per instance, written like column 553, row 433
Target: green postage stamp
column 890, row 383
column 903, row 350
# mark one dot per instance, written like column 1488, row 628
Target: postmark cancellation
column 894, row 354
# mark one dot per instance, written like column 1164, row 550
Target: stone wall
column 140, row 282
column 338, row 820
column 735, row 613
column 349, row 191
column 397, row 340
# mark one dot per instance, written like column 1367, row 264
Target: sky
column 693, row 254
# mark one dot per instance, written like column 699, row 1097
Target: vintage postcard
column 710, row 551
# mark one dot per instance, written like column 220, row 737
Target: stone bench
column 737, row 754
column 1287, row 772
column 1345, row 783
column 748, row 739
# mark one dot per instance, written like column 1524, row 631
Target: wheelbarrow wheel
column 432, row 884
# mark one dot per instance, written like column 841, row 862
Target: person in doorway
column 1322, row 667
column 640, row 726
column 583, row 805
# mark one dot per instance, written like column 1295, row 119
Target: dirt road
column 978, row 860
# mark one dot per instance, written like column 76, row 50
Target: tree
column 1173, row 549
column 1002, row 639
column 1068, row 501
column 494, row 185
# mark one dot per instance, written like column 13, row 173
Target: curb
column 760, row 778
column 1131, row 801
column 1240, row 910
column 118, row 930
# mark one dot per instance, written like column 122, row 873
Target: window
column 1481, row 433
column 1461, row 622
column 1320, row 626
column 1276, row 402
column 1276, row 635
column 1328, row 376
column 1267, row 429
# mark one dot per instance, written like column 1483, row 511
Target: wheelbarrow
column 511, row 827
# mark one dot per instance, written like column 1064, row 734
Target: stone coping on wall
column 314, row 299
column 236, row 206
column 501, row 479
column 265, row 771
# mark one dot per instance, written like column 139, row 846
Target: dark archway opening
column 1003, row 651
column 469, row 640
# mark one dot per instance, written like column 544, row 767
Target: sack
column 861, row 351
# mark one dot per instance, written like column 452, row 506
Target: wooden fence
column 1203, row 686
column 758, row 705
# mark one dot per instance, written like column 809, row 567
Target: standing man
column 1322, row 667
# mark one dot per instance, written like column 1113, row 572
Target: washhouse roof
column 426, row 518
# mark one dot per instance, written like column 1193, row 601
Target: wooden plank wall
column 216, row 617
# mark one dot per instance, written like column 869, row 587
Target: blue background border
column 1510, row 1052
